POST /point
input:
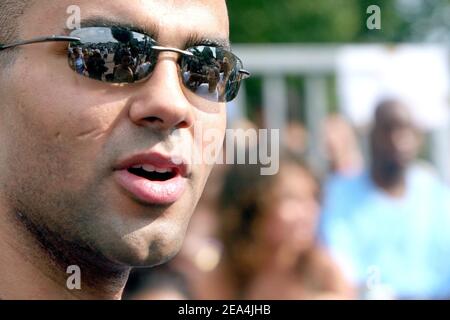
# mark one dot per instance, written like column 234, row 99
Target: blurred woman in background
column 268, row 229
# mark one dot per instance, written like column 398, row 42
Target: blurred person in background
column 268, row 230
column 342, row 146
column 296, row 138
column 388, row 227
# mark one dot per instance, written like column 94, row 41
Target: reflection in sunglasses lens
column 119, row 55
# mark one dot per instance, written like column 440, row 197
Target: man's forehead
column 169, row 20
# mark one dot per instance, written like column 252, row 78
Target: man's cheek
column 92, row 129
column 58, row 159
column 213, row 135
column 209, row 132
column 82, row 136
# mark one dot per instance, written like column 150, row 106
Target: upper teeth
column 150, row 168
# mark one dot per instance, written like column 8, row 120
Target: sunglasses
column 122, row 56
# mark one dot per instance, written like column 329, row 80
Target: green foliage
column 293, row 20
column 333, row 21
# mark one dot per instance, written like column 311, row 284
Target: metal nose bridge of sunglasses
column 162, row 49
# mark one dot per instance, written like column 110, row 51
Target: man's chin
column 134, row 250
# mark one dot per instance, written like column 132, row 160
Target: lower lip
column 152, row 192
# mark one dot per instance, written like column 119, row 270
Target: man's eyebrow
column 151, row 30
column 197, row 40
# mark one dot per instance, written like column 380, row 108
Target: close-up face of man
column 69, row 143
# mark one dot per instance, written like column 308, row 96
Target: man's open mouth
column 151, row 173
column 152, row 178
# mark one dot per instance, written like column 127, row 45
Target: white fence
column 314, row 63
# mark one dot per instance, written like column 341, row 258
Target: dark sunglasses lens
column 119, row 55
column 115, row 55
column 212, row 73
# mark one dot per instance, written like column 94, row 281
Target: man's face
column 65, row 137
column 395, row 140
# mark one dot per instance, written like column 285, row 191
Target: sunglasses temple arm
column 39, row 40
column 245, row 74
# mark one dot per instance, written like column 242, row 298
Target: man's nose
column 160, row 103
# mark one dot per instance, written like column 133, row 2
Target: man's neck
column 29, row 271
column 391, row 181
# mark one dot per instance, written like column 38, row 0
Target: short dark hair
column 10, row 12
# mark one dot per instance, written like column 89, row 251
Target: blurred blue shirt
column 402, row 243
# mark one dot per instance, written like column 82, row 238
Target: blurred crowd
column 367, row 229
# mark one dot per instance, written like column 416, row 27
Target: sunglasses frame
column 55, row 38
